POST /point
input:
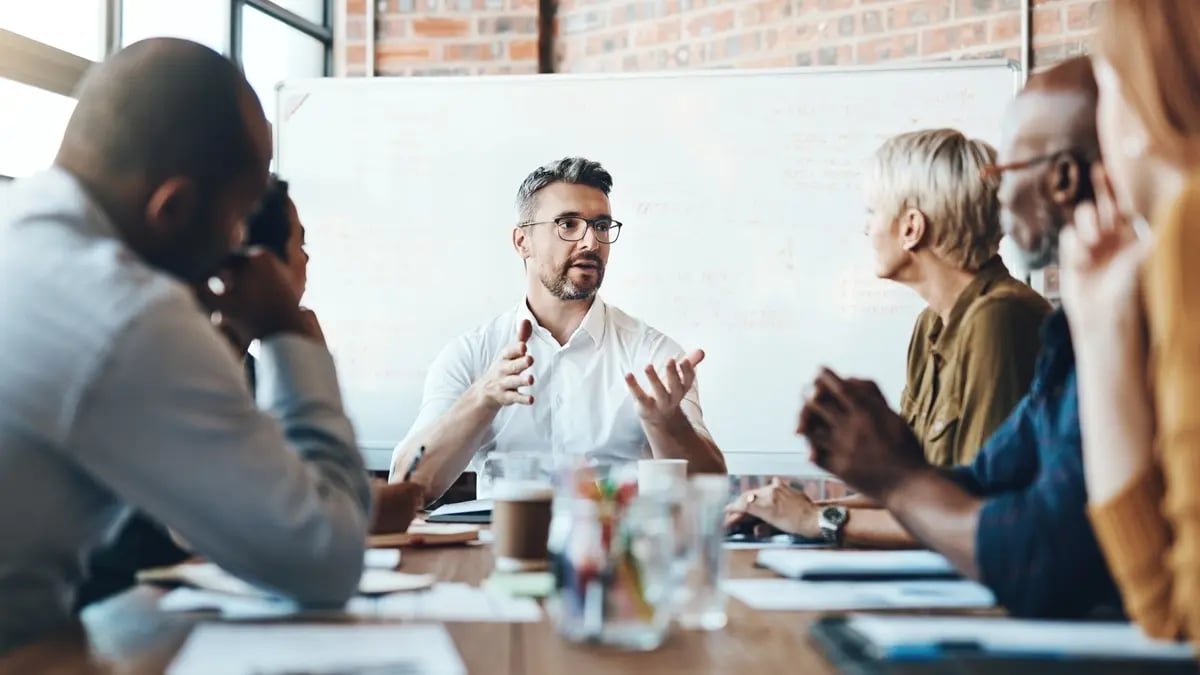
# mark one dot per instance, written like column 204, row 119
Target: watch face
column 836, row 515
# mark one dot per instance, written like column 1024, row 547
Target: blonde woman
column 933, row 220
column 1133, row 302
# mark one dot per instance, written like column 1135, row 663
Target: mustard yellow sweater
column 1150, row 531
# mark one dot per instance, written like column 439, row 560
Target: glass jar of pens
column 612, row 553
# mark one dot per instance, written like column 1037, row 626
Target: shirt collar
column 593, row 323
column 991, row 272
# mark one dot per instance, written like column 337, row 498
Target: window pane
column 203, row 21
column 313, row 10
column 272, row 52
column 32, row 121
column 82, row 33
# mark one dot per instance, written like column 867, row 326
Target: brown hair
column 1154, row 47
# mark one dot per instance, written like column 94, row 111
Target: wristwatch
column 832, row 521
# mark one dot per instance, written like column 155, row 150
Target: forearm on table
column 450, row 442
column 876, row 528
column 677, row 438
column 851, row 502
column 940, row 514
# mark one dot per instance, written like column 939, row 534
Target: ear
column 1063, row 182
column 521, row 243
column 173, row 205
column 912, row 229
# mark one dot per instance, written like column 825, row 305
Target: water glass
column 701, row 601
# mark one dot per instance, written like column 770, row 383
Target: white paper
column 382, row 558
column 458, row 602
column 912, row 635
column 793, row 595
column 211, row 577
column 443, row 602
column 230, row 606
column 805, row 563
column 270, row 649
column 473, row 506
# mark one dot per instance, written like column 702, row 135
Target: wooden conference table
column 128, row 634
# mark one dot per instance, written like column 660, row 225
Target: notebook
column 835, row 565
column 474, row 511
column 867, row 643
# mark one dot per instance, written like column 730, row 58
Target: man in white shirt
column 555, row 374
column 115, row 388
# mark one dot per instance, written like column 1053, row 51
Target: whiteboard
column 741, row 194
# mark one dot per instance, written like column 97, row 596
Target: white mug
column 657, row 476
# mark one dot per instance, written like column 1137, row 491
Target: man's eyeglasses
column 574, row 228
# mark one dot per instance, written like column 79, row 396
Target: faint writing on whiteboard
column 859, row 295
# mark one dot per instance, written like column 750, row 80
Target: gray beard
column 562, row 288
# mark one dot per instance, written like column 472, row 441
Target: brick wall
column 443, row 37
column 415, row 37
column 623, row 35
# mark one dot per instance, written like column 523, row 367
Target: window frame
column 322, row 32
column 42, row 66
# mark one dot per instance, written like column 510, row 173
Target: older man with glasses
column 556, row 373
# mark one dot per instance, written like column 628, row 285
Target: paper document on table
column 316, row 649
column 211, row 577
column 443, row 602
column 837, row 565
column 892, row 637
column 382, row 558
column 792, row 595
column 458, row 602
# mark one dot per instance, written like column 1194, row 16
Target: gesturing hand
column 1101, row 259
column 661, row 405
column 499, row 385
column 856, row 436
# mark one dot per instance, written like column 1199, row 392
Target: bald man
column 116, row 391
column 1016, row 519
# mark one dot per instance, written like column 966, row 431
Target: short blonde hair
column 1153, row 47
column 942, row 174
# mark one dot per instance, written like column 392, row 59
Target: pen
column 413, row 467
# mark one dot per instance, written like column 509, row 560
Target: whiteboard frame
column 497, row 80
column 739, row 462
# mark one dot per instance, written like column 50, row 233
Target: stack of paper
column 792, row 595
column 280, row 649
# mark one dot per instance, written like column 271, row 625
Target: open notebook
column 474, row 511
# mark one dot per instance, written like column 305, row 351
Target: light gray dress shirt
column 116, row 392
